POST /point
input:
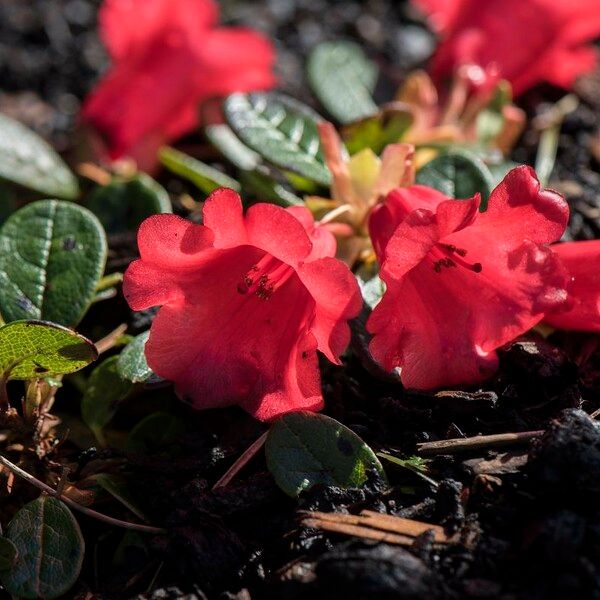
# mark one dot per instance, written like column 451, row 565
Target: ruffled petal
column 223, row 215
column 337, row 300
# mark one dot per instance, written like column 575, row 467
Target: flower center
column 448, row 255
column 265, row 277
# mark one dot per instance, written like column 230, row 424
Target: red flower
column 246, row 302
column 582, row 261
column 168, row 57
column 461, row 283
column 530, row 41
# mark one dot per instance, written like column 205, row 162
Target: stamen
column 452, row 257
column 265, row 277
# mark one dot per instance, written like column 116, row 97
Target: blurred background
column 50, row 53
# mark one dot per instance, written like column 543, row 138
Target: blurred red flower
column 461, row 283
column 582, row 261
column 168, row 56
column 246, row 302
column 530, row 41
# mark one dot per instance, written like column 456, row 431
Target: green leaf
column 264, row 185
column 8, row 554
column 132, row 364
column 122, row 205
column 8, row 204
column 385, row 127
column 203, row 176
column 282, row 130
column 458, row 175
column 35, row 349
column 230, row 146
column 116, row 486
column 304, row 449
column 158, row 431
column 26, row 159
column 52, row 255
column 50, row 547
column 343, row 79
column 105, row 390
column 371, row 286
column 499, row 170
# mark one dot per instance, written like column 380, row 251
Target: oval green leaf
column 132, row 364
column 203, row 176
column 50, row 547
column 458, row 175
column 282, row 130
column 343, row 79
column 104, row 392
column 122, row 205
column 230, row 146
column 26, row 159
column 304, row 449
column 8, row 554
column 52, row 255
column 35, row 349
column 158, row 432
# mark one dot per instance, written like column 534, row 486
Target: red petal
column 337, row 298
column 223, row 215
column 582, row 261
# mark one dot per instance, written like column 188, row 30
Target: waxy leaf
column 8, row 554
column 304, row 449
column 458, row 175
column 26, row 159
column 132, row 364
column 230, row 146
column 52, row 255
column 50, row 550
column 35, row 349
column 263, row 183
column 203, row 176
column 157, row 432
column 104, row 391
column 122, row 205
column 343, row 79
column 282, row 130
column 117, row 487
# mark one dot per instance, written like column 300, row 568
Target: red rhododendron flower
column 246, row 302
column 461, row 283
column 168, row 57
column 530, row 41
column 582, row 261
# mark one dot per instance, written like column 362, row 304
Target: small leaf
column 122, row 205
column 8, row 203
column 158, row 431
column 499, row 170
column 117, row 487
column 264, row 185
column 35, row 349
column 203, row 176
column 132, row 364
column 50, row 547
column 230, row 146
column 52, row 255
column 343, row 79
column 280, row 129
column 304, row 449
column 8, row 554
column 458, row 175
column 371, row 286
column 26, row 159
column 104, row 392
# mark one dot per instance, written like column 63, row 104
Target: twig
column 107, row 342
column 479, row 442
column 595, row 414
column 358, row 531
column 241, row 462
column 83, row 509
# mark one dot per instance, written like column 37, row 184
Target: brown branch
column 478, row 442
column 107, row 342
column 241, row 462
column 83, row 509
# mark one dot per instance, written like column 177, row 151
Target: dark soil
column 528, row 518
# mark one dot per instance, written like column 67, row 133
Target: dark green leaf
column 282, row 130
column 203, row 176
column 265, row 186
column 104, row 392
column 8, row 204
column 500, row 169
column 343, row 79
column 230, row 146
column 123, row 204
column 158, row 431
column 304, row 449
column 50, row 547
column 458, row 175
column 132, row 364
column 117, row 487
column 26, row 159
column 52, row 255
column 8, row 554
column 35, row 349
